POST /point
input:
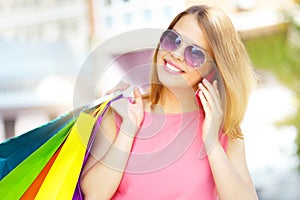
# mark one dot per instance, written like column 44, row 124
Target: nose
column 178, row 54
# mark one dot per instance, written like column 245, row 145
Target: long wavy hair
column 232, row 61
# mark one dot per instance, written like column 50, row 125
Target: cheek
column 194, row 77
column 160, row 56
column 205, row 69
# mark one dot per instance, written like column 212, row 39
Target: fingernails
column 136, row 88
column 131, row 100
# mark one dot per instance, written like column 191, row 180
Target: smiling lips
column 171, row 68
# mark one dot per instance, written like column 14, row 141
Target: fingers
column 209, row 94
column 215, row 84
column 131, row 110
column 122, row 86
column 211, row 89
column 138, row 96
column 119, row 87
column 203, row 101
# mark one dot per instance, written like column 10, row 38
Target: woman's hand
column 122, row 86
column 131, row 111
column 214, row 115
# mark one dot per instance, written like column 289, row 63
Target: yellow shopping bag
column 58, row 179
column 61, row 180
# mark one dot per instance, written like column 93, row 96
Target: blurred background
column 43, row 44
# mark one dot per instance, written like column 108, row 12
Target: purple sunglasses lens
column 170, row 40
column 194, row 56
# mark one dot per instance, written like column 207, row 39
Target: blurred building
column 41, row 39
column 36, row 21
column 116, row 16
column 75, row 21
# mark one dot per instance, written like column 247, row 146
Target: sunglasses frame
column 188, row 42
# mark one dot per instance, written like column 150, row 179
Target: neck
column 178, row 100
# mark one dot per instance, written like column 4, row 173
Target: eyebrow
column 190, row 40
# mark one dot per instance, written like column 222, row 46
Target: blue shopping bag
column 15, row 150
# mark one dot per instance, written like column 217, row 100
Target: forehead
column 188, row 26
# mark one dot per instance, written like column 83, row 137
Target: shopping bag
column 33, row 170
column 61, row 180
column 99, row 115
column 15, row 150
column 35, row 186
column 77, row 193
column 21, row 177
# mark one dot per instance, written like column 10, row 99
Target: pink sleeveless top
column 168, row 161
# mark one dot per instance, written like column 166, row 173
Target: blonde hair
column 232, row 62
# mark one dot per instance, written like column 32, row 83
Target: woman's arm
column 102, row 180
column 103, row 172
column 229, row 169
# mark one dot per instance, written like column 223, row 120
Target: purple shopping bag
column 78, row 193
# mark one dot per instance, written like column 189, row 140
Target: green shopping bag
column 15, row 150
column 20, row 178
column 61, row 180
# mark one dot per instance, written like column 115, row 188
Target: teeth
column 172, row 68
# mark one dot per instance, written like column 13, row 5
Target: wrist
column 210, row 143
column 128, row 128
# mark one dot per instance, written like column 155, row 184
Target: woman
column 125, row 163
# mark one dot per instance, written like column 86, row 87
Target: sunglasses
column 194, row 55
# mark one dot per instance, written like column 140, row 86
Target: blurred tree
column 280, row 53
